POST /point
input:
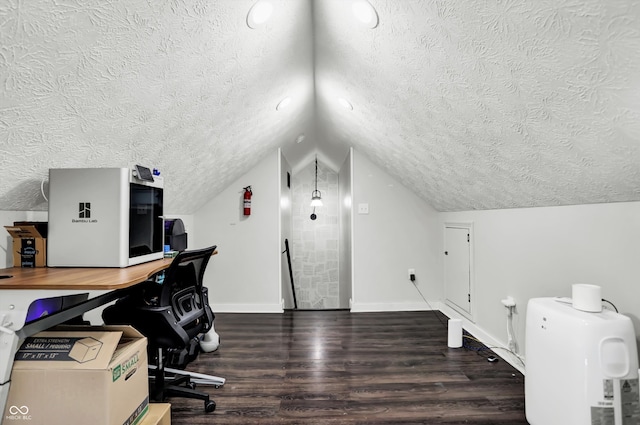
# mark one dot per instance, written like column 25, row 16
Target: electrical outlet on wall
column 509, row 302
column 411, row 272
column 363, row 208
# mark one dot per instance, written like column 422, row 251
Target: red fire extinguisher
column 247, row 200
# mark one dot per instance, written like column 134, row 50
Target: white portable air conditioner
column 581, row 367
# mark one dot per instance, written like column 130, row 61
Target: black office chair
column 172, row 315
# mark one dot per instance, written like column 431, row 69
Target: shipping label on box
column 62, row 349
column 87, row 375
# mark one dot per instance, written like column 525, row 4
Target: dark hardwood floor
column 337, row 367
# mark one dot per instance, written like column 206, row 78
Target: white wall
column 541, row 252
column 346, row 214
column 285, row 230
column 400, row 232
column 245, row 275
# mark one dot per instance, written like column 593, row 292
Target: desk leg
column 8, row 346
column 13, row 312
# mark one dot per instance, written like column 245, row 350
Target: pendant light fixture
column 316, row 196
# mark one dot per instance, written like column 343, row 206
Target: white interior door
column 457, row 268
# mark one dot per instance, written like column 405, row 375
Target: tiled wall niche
column 315, row 242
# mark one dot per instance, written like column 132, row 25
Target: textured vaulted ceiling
column 472, row 104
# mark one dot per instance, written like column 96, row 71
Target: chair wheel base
column 209, row 406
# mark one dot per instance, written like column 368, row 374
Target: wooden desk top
column 83, row 278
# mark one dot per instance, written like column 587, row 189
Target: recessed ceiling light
column 259, row 13
column 365, row 13
column 283, row 104
column 345, row 103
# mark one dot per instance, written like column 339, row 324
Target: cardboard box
column 80, row 375
column 41, row 226
column 29, row 245
column 159, row 414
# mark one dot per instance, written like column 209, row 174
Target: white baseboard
column 357, row 307
column 246, row 308
column 515, row 360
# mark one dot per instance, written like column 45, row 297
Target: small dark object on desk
column 5, row 276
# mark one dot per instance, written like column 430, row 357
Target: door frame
column 472, row 310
